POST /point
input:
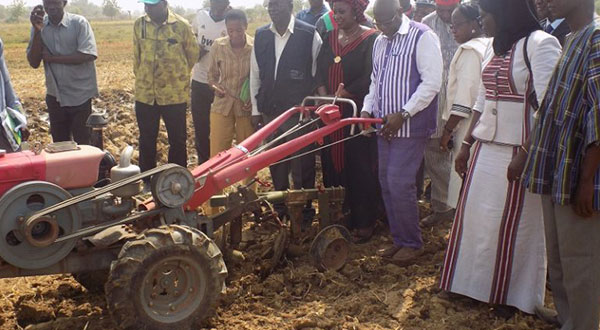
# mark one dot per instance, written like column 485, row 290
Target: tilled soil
column 368, row 293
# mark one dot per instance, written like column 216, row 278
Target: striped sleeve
column 468, row 68
column 592, row 117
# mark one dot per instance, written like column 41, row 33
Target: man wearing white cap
column 437, row 160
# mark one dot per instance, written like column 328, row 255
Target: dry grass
column 114, row 62
column 114, row 58
column 115, row 81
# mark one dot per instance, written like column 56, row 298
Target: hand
column 343, row 93
column 445, row 140
column 46, row 55
column 25, row 133
column 393, row 123
column 37, row 17
column 256, row 121
column 247, row 106
column 583, row 205
column 218, row 90
column 461, row 160
column 516, row 166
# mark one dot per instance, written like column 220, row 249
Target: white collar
column 556, row 23
column 404, row 27
column 290, row 27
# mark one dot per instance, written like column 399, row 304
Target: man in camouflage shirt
column 165, row 51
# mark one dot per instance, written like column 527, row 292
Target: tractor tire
column 92, row 281
column 167, row 278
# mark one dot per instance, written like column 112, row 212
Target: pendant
column 337, row 59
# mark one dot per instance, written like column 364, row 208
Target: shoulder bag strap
column 531, row 88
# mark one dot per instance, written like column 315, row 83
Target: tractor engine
column 31, row 181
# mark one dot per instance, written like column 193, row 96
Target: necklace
column 346, row 39
column 348, row 36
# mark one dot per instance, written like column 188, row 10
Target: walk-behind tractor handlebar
column 242, row 162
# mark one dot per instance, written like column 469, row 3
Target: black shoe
column 504, row 312
column 437, row 218
column 450, row 296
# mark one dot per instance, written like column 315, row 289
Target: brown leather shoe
column 407, row 256
column 388, row 252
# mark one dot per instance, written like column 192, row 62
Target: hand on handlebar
column 393, row 123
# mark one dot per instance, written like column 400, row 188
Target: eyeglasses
column 386, row 23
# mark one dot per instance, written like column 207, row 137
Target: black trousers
column 302, row 169
column 69, row 123
column 148, row 118
column 202, row 99
column 363, row 192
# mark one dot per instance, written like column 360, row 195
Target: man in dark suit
column 556, row 27
column 283, row 67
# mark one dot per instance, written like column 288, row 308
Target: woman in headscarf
column 464, row 80
column 345, row 58
column 496, row 252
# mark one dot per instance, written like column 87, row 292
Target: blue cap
column 150, row 2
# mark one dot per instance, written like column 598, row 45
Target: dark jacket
column 294, row 80
column 561, row 32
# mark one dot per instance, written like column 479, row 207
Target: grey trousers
column 437, row 167
column 573, row 248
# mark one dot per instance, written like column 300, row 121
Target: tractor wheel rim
column 173, row 289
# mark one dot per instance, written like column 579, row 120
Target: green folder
column 245, row 92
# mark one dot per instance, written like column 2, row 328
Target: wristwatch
column 405, row 114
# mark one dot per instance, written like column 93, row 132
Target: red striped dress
column 496, row 252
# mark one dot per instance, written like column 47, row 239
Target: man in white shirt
column 283, row 67
column 208, row 25
column 437, row 160
column 406, row 78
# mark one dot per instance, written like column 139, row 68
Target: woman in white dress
column 496, row 252
column 464, row 80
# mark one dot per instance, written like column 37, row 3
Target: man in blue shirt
column 312, row 14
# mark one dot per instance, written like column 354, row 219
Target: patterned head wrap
column 358, row 6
